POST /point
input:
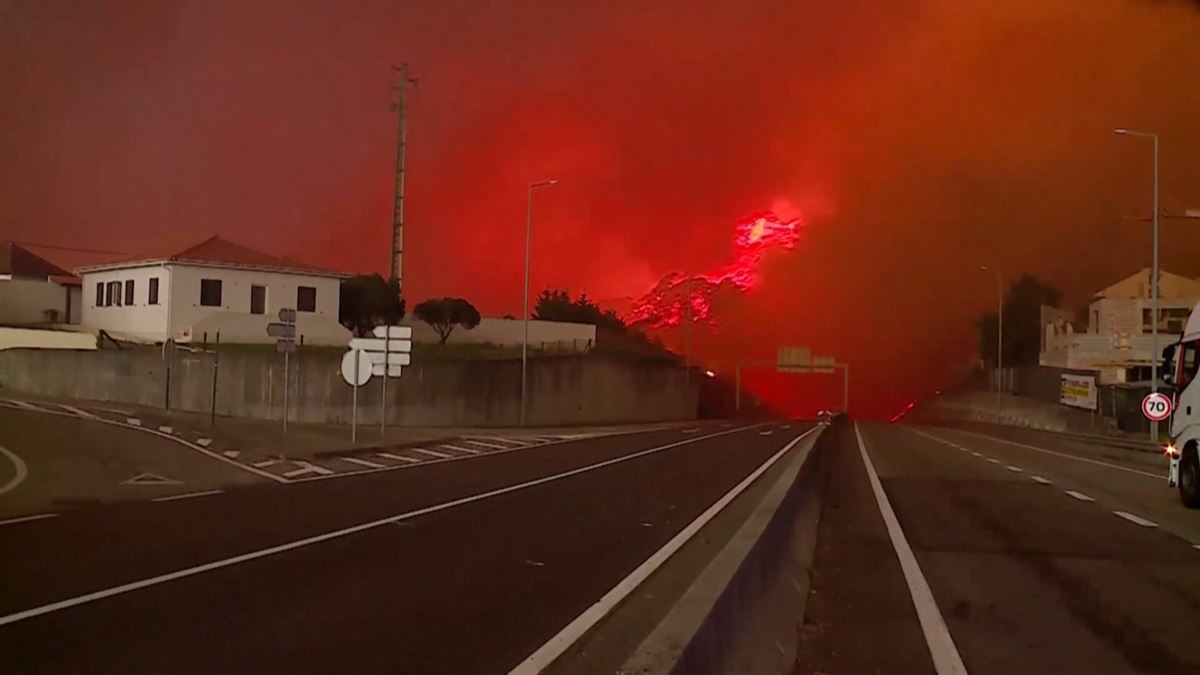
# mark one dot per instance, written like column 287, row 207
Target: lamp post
column 1154, row 355
column 525, row 313
column 999, row 339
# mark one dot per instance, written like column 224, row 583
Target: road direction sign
column 822, row 364
column 287, row 315
column 356, row 370
column 282, row 330
column 794, row 359
column 377, row 345
column 1156, row 407
column 285, row 347
column 393, row 332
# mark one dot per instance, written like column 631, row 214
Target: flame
column 677, row 294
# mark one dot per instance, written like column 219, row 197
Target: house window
column 99, row 294
column 129, row 292
column 306, row 299
column 258, row 299
column 152, row 297
column 210, row 292
column 112, row 294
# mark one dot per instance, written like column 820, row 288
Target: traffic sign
column 794, row 359
column 287, row 315
column 393, row 332
column 285, row 346
column 356, row 370
column 1156, row 407
column 286, row 331
column 377, row 345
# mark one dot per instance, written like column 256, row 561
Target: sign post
column 212, row 412
column 354, row 400
column 285, row 332
column 385, row 354
column 168, row 354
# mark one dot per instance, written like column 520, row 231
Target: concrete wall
column 563, row 390
column 25, row 301
column 510, row 332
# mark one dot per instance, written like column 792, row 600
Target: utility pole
column 400, row 106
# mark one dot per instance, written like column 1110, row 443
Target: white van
column 1180, row 363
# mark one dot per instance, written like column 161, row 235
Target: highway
column 461, row 567
column 1040, row 554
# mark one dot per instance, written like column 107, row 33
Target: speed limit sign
column 1156, row 407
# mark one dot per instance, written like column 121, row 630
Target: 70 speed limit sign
column 1156, row 407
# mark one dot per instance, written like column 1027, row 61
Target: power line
column 69, row 248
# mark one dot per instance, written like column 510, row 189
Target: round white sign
column 363, row 367
column 1156, row 407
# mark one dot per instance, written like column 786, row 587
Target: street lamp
column 525, row 313
column 1154, row 355
column 999, row 339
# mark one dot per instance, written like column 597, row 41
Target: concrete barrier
column 563, row 390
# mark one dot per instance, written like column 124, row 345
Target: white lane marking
column 204, row 442
column 20, row 471
column 469, row 451
column 151, row 479
column 726, row 425
column 187, row 495
column 1080, row 496
column 786, row 427
column 768, row 432
column 133, row 421
column 362, row 462
column 555, row 646
column 77, row 411
column 431, row 453
column 993, row 461
column 266, row 462
column 501, row 439
column 976, row 454
column 494, row 446
column 1118, row 467
column 25, row 519
column 26, row 406
column 336, row 534
column 166, row 429
column 690, row 431
column 1136, row 520
column 1043, row 481
column 232, row 454
column 1015, row 469
column 306, row 468
column 1195, row 545
column 946, row 659
column 398, row 458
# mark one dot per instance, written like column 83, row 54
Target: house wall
column 139, row 321
column 190, row 320
column 25, row 301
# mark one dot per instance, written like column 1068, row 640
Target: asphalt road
column 1018, row 537
column 462, row 567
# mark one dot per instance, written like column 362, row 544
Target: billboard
column 1078, row 391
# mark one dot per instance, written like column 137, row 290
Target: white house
column 34, row 290
column 214, row 286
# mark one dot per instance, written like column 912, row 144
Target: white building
column 1118, row 343
column 34, row 290
column 215, row 286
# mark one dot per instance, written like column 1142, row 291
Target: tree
column 367, row 301
column 557, row 305
column 446, row 313
column 1022, row 322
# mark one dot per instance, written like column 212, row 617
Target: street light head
column 1120, row 131
column 983, row 268
column 544, row 183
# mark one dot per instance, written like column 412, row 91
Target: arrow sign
column 282, row 330
column 393, row 332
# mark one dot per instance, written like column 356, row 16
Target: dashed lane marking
column 768, row 432
column 232, row 454
column 1043, row 481
column 187, row 495
column 431, row 453
column 469, row 451
column 26, row 519
column 494, row 446
column 93, row 596
column 307, row 468
column 1136, row 520
column 1065, row 455
column 398, row 458
column 133, row 421
column 993, row 460
column 166, row 429
column 946, row 659
column 976, row 454
column 1015, row 469
column 363, row 462
column 500, row 439
column 204, row 442
column 1080, row 496
column 690, row 431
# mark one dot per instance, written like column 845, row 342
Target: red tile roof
column 22, row 263
column 218, row 252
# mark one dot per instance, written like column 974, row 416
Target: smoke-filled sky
column 917, row 140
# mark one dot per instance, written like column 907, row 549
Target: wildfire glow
column 667, row 304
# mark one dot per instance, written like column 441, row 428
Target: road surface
column 458, row 567
column 1040, row 554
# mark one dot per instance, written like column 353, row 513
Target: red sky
column 918, row 140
